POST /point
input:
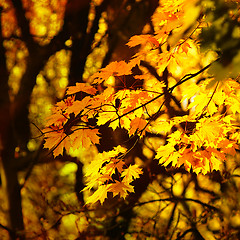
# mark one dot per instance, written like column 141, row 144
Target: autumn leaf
column 138, row 125
column 108, row 116
column 197, row 161
column 207, row 132
column 111, row 167
column 113, row 69
column 161, row 126
column 79, row 106
column 56, row 140
column 230, row 98
column 131, row 173
column 216, row 159
column 58, row 119
column 120, row 188
column 59, row 115
column 84, row 137
column 99, row 195
column 167, row 154
column 141, row 40
column 81, row 87
column 95, row 167
column 201, row 103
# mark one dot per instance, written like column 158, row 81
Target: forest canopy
column 120, row 119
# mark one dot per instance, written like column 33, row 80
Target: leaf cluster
column 194, row 122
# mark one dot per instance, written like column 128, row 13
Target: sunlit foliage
column 144, row 143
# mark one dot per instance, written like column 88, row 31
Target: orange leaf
column 78, row 106
column 81, row 87
column 185, row 46
column 142, row 39
column 84, row 137
column 113, row 69
column 121, row 188
column 138, row 125
column 56, row 140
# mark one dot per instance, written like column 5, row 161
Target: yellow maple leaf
column 216, row 159
column 172, row 158
column 99, row 195
column 208, row 131
column 203, row 102
column 161, row 126
column 131, row 173
column 97, row 180
column 108, row 116
column 114, row 164
column 95, row 166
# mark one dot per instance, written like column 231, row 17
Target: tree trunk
column 11, row 188
column 10, row 184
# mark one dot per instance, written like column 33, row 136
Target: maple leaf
column 200, row 102
column 190, row 91
column 84, row 137
column 79, row 106
column 131, row 173
column 228, row 147
column 136, row 59
column 112, row 166
column 164, row 60
column 141, row 40
column 94, row 167
column 113, row 69
column 138, row 125
column 207, row 132
column 105, row 117
column 103, row 158
column 216, row 159
column 120, row 188
column 56, row 140
column 231, row 99
column 161, row 126
column 118, row 164
column 201, row 149
column 137, row 98
column 173, row 158
column 99, row 195
column 81, row 87
column 167, row 154
column 108, row 114
column 59, row 117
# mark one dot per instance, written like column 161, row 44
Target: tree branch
column 180, row 199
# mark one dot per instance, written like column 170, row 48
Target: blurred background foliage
column 67, row 42
column 222, row 35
